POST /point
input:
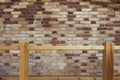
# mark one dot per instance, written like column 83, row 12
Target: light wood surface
column 30, row 47
column 9, row 47
column 98, row 78
column 44, row 78
column 23, row 61
column 87, row 78
column 65, row 47
column 68, row 78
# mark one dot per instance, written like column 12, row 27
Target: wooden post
column 108, row 61
column 24, row 61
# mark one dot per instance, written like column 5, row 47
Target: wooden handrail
column 108, row 56
column 65, row 47
column 9, row 47
column 57, row 47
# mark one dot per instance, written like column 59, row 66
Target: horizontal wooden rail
column 108, row 56
column 65, row 47
column 9, row 47
column 57, row 47
column 69, row 47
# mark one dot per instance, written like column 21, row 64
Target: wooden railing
column 108, row 56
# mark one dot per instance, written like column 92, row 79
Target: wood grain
column 23, row 61
column 65, row 47
column 108, row 61
column 9, row 48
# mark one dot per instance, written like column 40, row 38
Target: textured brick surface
column 58, row 23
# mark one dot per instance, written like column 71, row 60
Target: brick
column 57, row 23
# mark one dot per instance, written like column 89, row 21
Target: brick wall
column 58, row 23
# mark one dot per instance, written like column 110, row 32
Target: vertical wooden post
column 108, row 61
column 24, row 61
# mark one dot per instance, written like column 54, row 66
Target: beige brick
column 8, row 10
column 16, row 6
